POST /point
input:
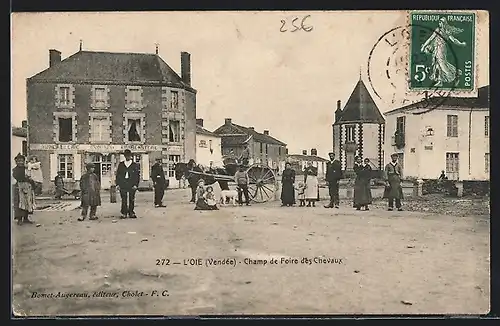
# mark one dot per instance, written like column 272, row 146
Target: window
column 133, row 98
column 487, row 163
column 487, row 126
column 401, row 124
column 65, row 165
column 279, row 150
column 452, row 166
column 65, row 96
column 174, row 103
column 261, row 148
column 100, row 129
column 65, row 129
column 452, row 126
column 174, row 131
column 25, row 148
column 203, row 143
column 267, row 149
column 171, row 167
column 134, row 130
column 100, row 97
column 349, row 134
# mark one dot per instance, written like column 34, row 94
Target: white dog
column 228, row 194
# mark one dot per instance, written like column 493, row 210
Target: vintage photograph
column 249, row 163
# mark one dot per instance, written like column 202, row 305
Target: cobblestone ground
column 435, row 260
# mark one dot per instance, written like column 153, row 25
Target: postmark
column 442, row 51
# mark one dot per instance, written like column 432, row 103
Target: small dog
column 228, row 194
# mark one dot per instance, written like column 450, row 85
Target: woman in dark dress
column 24, row 197
column 362, row 191
column 287, row 188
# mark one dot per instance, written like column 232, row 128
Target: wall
column 427, row 163
column 16, row 147
column 203, row 154
column 190, row 144
column 370, row 142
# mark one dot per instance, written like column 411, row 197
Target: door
column 452, row 166
column 173, row 183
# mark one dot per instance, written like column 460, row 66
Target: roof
column 360, row 107
column 480, row 102
column 90, row 66
column 202, row 131
column 19, row 132
column 303, row 157
column 234, row 130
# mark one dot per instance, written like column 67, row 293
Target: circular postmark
column 403, row 58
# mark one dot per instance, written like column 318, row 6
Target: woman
column 311, row 181
column 24, row 202
column 362, row 191
column 287, row 189
column 35, row 173
column 91, row 193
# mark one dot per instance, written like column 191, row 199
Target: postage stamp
column 442, row 51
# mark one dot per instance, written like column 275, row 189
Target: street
column 327, row 261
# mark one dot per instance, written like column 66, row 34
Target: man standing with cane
column 159, row 182
column 127, row 179
column 333, row 175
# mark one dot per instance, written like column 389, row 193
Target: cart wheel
column 263, row 186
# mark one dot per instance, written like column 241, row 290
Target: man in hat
column 91, row 193
column 159, row 182
column 245, row 156
column 24, row 202
column 333, row 175
column 393, row 174
column 127, row 179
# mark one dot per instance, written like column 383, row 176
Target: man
column 159, row 182
column 59, row 183
column 242, row 180
column 333, row 175
column 127, row 179
column 245, row 156
column 393, row 174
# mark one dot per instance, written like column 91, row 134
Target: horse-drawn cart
column 263, row 184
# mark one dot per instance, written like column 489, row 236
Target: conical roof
column 360, row 107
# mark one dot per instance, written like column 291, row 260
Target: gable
column 361, row 107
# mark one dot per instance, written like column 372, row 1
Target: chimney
column 199, row 122
column 338, row 112
column 266, row 132
column 24, row 124
column 186, row 67
column 54, row 57
column 251, row 128
column 304, row 152
column 314, row 152
column 227, row 121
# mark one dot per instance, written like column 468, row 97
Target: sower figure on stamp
column 333, row 175
column 393, row 174
column 127, row 179
column 159, row 182
column 91, row 193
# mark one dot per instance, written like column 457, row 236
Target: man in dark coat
column 333, row 175
column 127, row 179
column 393, row 175
column 159, row 182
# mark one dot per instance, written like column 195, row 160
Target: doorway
column 102, row 165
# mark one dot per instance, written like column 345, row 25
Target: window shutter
column 77, row 166
column 145, row 166
column 53, row 166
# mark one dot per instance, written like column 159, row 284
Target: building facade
column 208, row 146
column 19, row 142
column 92, row 106
column 263, row 148
column 359, row 130
column 453, row 136
column 299, row 162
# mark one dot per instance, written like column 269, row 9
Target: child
column 301, row 196
column 210, row 198
column 91, row 193
column 201, row 203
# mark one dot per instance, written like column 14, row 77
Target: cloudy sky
column 243, row 67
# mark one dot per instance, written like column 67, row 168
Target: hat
column 394, row 154
column 127, row 152
column 89, row 165
column 19, row 157
column 331, row 153
column 201, row 181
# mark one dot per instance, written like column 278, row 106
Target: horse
column 184, row 170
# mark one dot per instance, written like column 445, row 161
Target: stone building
column 263, row 148
column 300, row 161
column 92, row 106
column 208, row 146
column 359, row 130
column 19, row 143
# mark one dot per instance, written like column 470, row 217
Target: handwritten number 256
column 302, row 26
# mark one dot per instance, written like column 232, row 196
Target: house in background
column 92, row 106
column 358, row 130
column 208, row 146
column 263, row 148
column 19, row 141
column 300, row 161
column 453, row 136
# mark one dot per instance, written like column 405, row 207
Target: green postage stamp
column 442, row 51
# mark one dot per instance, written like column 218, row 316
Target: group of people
column 308, row 189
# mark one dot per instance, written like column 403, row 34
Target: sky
column 242, row 65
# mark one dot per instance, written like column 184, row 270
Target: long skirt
column 287, row 193
column 312, row 189
column 201, row 205
column 362, row 193
column 24, row 200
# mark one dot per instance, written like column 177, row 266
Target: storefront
column 70, row 160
